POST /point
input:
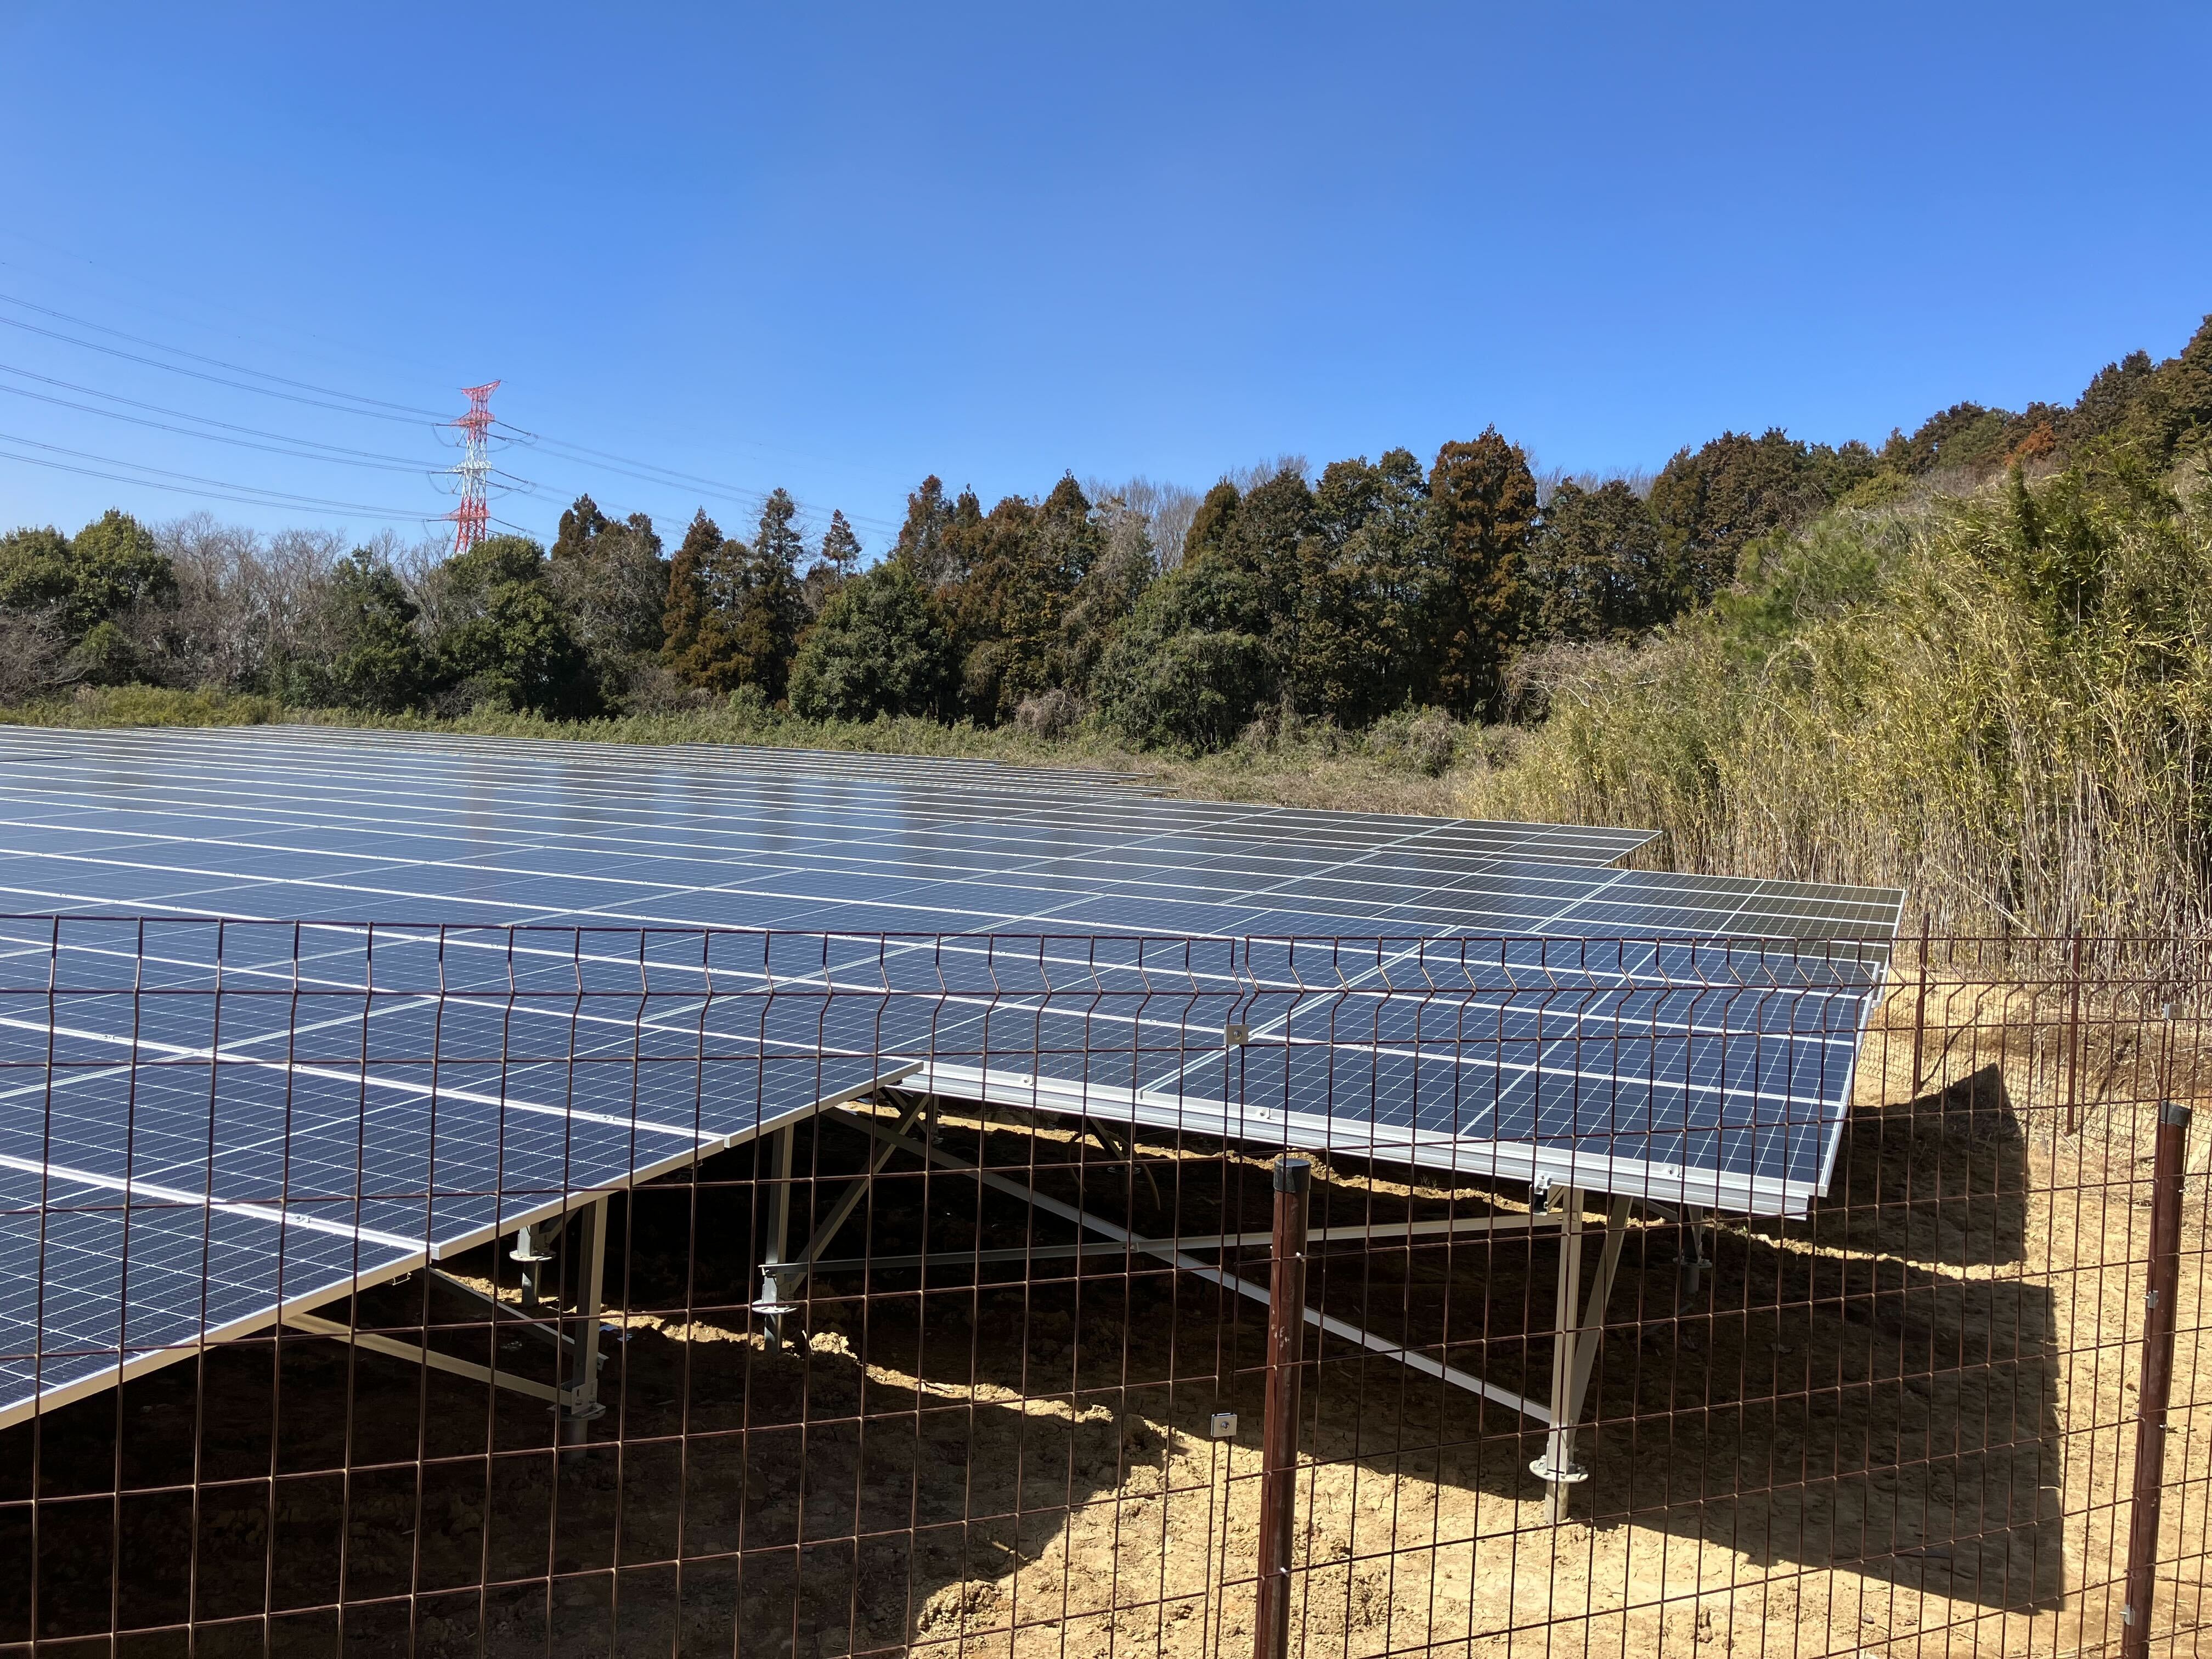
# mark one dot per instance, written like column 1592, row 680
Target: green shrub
column 877, row 649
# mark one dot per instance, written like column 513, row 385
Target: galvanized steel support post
column 774, row 1302
column 588, row 1237
column 1556, row 1467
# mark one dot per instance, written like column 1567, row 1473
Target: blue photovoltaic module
column 205, row 1123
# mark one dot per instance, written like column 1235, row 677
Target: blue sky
column 838, row 248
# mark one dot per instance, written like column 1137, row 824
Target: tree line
column 1370, row 587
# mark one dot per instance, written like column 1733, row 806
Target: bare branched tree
column 1166, row 509
column 245, row 604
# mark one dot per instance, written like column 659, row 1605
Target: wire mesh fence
column 448, row 1290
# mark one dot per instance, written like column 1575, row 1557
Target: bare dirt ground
column 1903, row 1428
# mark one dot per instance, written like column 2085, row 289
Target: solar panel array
column 300, row 824
column 202, row 1124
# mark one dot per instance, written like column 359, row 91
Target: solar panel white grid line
column 103, row 1270
column 375, row 818
column 618, row 789
column 1755, row 887
column 231, row 1054
column 1551, row 1065
column 1624, row 839
column 827, row 856
column 514, row 916
column 1198, row 817
column 1685, row 923
column 868, row 765
column 1744, row 899
column 370, row 813
column 1305, row 1003
column 1133, row 857
column 132, row 1187
column 884, row 782
column 104, row 1365
column 528, row 1006
column 1493, row 1160
column 1277, row 1030
column 235, row 1153
column 732, row 758
column 1457, row 1160
column 1466, row 1002
column 1425, row 833
column 221, row 877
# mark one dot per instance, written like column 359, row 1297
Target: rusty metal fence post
column 2157, row 1377
column 1278, row 1434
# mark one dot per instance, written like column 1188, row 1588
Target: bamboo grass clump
column 2000, row 702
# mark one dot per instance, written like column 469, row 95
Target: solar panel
column 356, row 824
column 1487, row 998
column 200, row 1130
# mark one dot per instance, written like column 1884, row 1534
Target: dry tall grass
column 1999, row 702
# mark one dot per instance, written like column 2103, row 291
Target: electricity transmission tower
column 472, row 516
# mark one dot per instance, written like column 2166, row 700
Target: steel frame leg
column 1689, row 1259
column 1166, row 1250
column 774, row 1303
column 533, row 1248
column 1577, row 1334
column 582, row 1404
column 796, row 1270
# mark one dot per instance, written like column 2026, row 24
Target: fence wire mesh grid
column 444, row 1291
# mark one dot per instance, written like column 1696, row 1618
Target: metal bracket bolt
column 1558, row 1474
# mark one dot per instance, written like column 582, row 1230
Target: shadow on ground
column 1870, row 1391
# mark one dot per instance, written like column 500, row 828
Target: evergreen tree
column 1194, row 661
column 581, row 526
column 613, row 583
column 2172, row 413
column 2105, row 402
column 706, row 593
column 921, row 539
column 1363, row 585
column 877, row 649
column 840, row 549
column 734, row 611
column 1710, row 503
column 1264, row 536
column 371, row 654
column 1126, row 564
column 109, row 568
column 1209, row 524
column 1597, row 567
column 83, row 607
column 836, row 562
column 687, row 614
column 502, row 635
column 1015, row 571
column 1483, row 508
column 764, row 631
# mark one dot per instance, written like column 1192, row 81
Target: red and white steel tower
column 472, row 517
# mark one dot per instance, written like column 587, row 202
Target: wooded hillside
column 1973, row 659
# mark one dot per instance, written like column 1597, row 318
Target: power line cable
column 197, row 374
column 218, row 362
column 206, row 489
column 647, row 473
column 415, row 467
column 204, row 420
column 200, row 302
column 644, row 471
